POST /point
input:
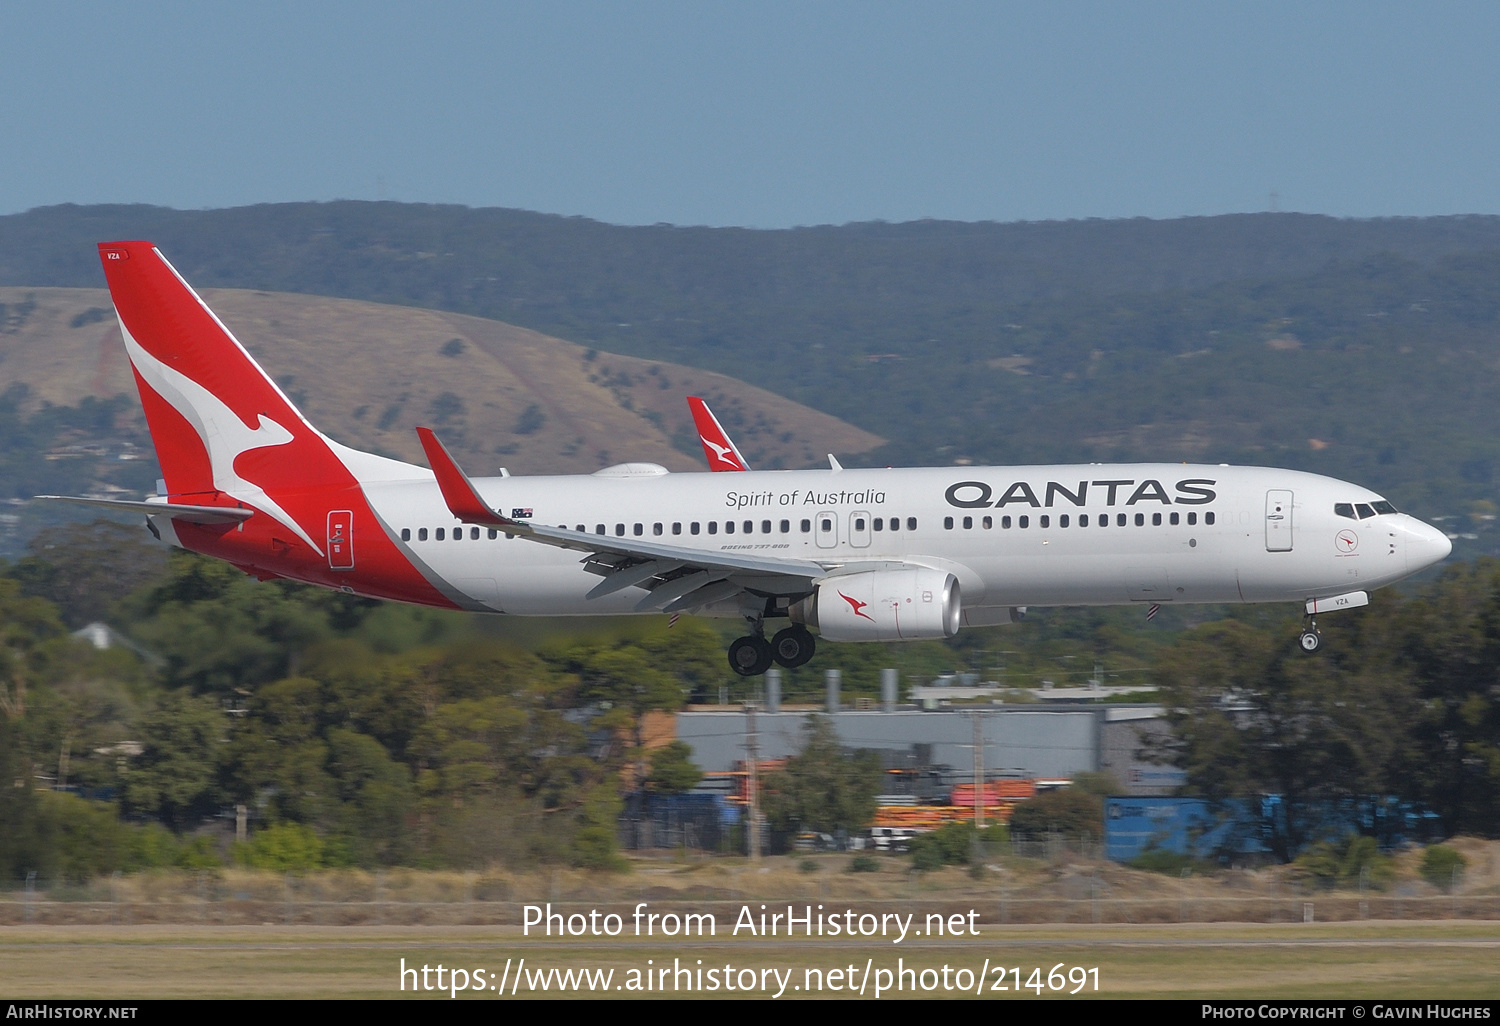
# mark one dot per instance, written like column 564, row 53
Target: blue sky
column 764, row 114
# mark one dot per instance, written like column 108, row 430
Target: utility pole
column 752, row 750
column 978, row 770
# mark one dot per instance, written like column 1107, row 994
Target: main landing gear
column 753, row 655
column 1310, row 639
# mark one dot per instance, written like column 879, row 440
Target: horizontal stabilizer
column 177, row 511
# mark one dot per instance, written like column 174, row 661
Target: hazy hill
column 1368, row 350
column 367, row 374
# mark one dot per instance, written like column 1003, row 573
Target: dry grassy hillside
column 367, row 374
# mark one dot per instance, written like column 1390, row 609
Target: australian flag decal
column 519, row 513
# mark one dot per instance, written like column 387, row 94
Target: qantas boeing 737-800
column 857, row 555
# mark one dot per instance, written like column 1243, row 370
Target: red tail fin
column 720, row 449
column 222, row 429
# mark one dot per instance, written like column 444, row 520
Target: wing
column 676, row 577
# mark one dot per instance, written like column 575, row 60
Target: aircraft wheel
column 750, row 656
column 793, row 646
column 1310, row 641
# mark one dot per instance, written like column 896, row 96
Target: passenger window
column 1046, row 521
column 473, row 534
column 1140, row 520
column 1023, row 522
column 439, row 534
column 713, row 527
column 495, row 534
column 968, row 523
column 1119, row 519
column 421, row 534
column 828, row 524
column 1208, row 518
column 406, row 534
column 947, row 523
column 677, row 527
column 1192, row 519
column 619, row 530
column 806, row 526
column 879, row 524
column 1364, row 510
column 988, row 522
column 693, row 527
column 786, row 527
column 1083, row 520
column 656, row 529
column 1005, row 523
column 1062, row 521
column 1174, row 518
column 1156, row 520
column 638, row 530
column 729, row 527
column 911, row 523
column 598, row 528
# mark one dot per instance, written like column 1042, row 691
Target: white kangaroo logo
column 720, row 452
column 224, row 435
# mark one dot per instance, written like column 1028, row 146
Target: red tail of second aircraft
column 722, row 453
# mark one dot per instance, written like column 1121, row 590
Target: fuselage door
column 827, row 529
column 859, row 529
column 1278, row 520
column 341, row 540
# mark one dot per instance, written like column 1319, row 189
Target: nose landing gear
column 1310, row 639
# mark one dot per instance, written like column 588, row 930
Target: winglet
column 458, row 491
column 718, row 447
column 833, row 463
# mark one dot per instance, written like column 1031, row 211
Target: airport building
column 1038, row 740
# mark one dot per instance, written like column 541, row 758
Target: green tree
column 823, row 787
column 1071, row 811
column 1252, row 715
column 1450, row 650
column 175, row 779
column 672, row 769
column 85, row 568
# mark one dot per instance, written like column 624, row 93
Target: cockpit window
column 1383, row 507
column 1344, row 509
column 1364, row 510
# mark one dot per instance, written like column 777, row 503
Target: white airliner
column 857, row 555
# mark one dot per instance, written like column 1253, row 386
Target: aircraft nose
column 1425, row 545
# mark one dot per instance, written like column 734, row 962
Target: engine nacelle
column 884, row 605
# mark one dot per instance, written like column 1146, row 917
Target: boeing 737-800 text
column 857, row 555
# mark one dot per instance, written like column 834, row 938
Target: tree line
column 359, row 733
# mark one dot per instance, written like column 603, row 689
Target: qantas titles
column 1193, row 491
